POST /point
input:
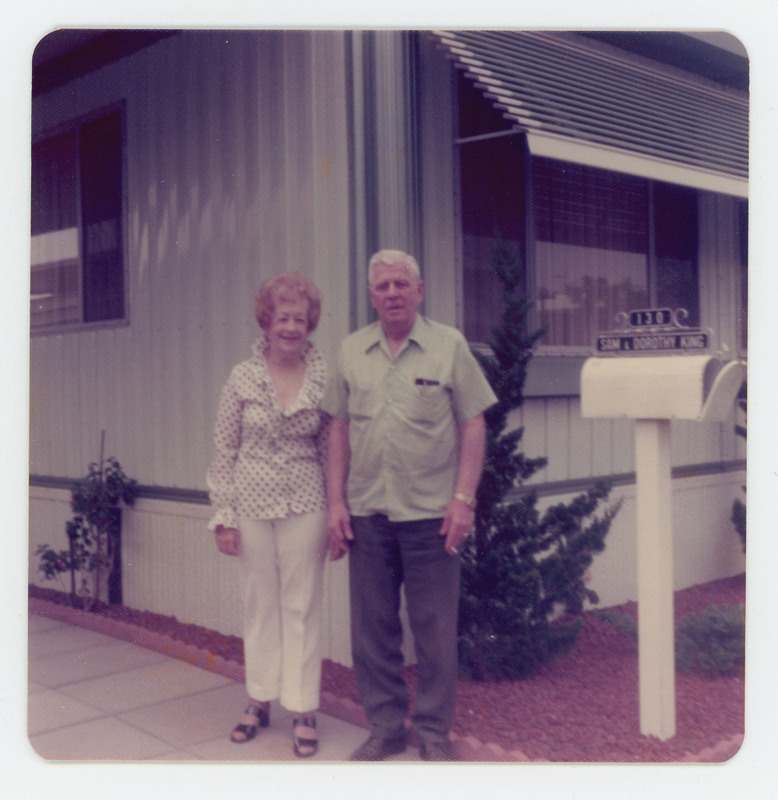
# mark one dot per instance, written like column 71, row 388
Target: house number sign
column 651, row 331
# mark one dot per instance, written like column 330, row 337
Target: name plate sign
column 652, row 330
column 652, row 341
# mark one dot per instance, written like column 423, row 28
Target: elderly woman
column 266, row 486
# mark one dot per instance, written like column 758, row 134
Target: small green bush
column 93, row 533
column 739, row 520
column 711, row 641
column 623, row 622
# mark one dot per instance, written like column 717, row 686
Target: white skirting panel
column 706, row 546
column 171, row 566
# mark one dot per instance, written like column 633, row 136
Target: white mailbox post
column 653, row 390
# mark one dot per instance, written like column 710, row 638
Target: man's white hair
column 393, row 258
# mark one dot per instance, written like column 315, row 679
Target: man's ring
column 454, row 550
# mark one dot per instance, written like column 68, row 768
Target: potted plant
column 93, row 553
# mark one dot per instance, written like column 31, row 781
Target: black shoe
column 245, row 732
column 436, row 751
column 306, row 746
column 377, row 749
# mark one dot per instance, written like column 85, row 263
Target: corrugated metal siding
column 721, row 268
column 237, row 167
column 576, row 447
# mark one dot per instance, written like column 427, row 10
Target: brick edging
column 466, row 748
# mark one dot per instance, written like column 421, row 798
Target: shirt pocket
column 425, row 404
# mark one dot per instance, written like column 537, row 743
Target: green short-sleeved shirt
column 404, row 416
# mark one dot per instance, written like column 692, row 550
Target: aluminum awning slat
column 550, row 86
column 552, row 57
column 583, row 93
column 586, row 96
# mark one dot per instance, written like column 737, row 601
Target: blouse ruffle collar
column 315, row 372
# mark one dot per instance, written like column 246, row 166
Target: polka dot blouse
column 268, row 461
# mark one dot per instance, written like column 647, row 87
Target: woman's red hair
column 287, row 287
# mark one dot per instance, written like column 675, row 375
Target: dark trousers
column 384, row 556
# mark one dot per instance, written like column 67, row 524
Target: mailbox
column 653, row 390
column 697, row 387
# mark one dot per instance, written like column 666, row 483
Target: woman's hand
column 339, row 526
column 228, row 540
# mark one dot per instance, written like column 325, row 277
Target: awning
column 597, row 107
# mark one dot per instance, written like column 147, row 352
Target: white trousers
column 282, row 580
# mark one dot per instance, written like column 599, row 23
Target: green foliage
column 739, row 507
column 92, row 532
column 739, row 520
column 521, row 570
column 711, row 641
column 623, row 622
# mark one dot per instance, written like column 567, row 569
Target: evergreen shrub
column 739, row 507
column 523, row 572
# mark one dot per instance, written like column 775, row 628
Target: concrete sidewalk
column 92, row 697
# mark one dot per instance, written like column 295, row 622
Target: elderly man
column 406, row 452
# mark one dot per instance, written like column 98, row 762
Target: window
column 606, row 243
column 492, row 187
column 673, row 259
column 595, row 242
column 77, row 258
column 591, row 237
column 492, row 181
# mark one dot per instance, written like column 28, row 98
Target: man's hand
column 457, row 524
column 228, row 540
column 341, row 535
column 459, row 517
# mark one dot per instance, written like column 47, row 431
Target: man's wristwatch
column 465, row 499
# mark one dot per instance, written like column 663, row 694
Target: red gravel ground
column 583, row 708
